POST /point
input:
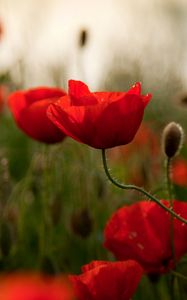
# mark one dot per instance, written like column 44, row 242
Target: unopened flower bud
column 83, row 38
column 172, row 139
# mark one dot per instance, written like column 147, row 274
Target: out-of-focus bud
column 172, row 139
column 83, row 37
column 82, row 223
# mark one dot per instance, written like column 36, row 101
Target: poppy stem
column 168, row 181
column 139, row 189
column 174, row 279
column 170, row 194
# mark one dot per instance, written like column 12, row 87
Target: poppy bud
column 172, row 139
column 81, row 223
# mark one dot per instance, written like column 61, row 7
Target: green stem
column 176, row 288
column 174, row 279
column 170, row 194
column 139, row 189
column 169, row 184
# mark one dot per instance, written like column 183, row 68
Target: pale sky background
column 124, row 41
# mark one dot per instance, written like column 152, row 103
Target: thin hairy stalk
column 174, row 279
column 168, row 181
column 139, row 189
column 170, row 197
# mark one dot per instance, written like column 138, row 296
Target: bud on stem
column 172, row 139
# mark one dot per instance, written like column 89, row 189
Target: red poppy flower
column 101, row 119
column 29, row 111
column 179, row 172
column 32, row 286
column 142, row 232
column 107, row 280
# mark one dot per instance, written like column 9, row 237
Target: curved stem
column 139, row 189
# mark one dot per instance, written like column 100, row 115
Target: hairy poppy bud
column 172, row 139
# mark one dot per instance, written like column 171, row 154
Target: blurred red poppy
column 3, row 96
column 145, row 140
column 107, row 280
column 142, row 232
column 100, row 119
column 35, row 287
column 140, row 167
column 29, row 111
column 1, row 29
column 179, row 172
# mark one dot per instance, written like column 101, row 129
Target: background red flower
column 27, row 286
column 142, row 232
column 101, row 119
column 134, row 166
column 29, row 111
column 107, row 280
column 179, row 172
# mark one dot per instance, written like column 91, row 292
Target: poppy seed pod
column 172, row 139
